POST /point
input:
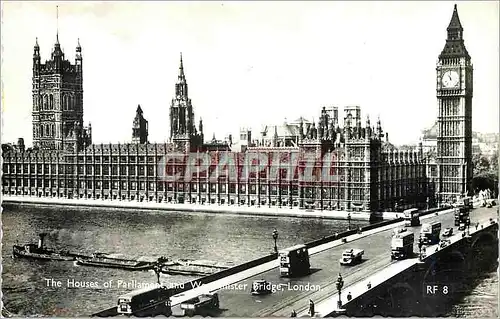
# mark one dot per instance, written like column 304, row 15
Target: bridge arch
column 483, row 252
column 404, row 300
column 450, row 259
column 485, row 237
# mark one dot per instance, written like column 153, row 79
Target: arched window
column 53, row 130
column 40, row 130
column 65, row 102
column 47, row 130
column 45, row 102
column 51, row 102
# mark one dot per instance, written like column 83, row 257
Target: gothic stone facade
column 369, row 173
column 454, row 94
column 58, row 102
column 366, row 173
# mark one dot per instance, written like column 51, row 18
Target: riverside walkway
column 197, row 208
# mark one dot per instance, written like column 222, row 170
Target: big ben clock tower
column 454, row 94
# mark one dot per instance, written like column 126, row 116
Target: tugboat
column 101, row 260
column 40, row 252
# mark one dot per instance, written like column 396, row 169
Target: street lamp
column 157, row 270
column 275, row 237
column 349, row 221
column 339, row 284
column 420, row 244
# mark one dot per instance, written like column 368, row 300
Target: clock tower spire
column 454, row 93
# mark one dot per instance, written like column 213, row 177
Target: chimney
column 40, row 241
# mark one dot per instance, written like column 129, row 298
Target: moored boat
column 34, row 251
column 101, row 260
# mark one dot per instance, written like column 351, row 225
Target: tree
column 494, row 162
column 485, row 172
column 476, row 158
column 482, row 164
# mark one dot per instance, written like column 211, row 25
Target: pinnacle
column 455, row 20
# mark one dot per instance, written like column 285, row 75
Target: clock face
column 450, row 79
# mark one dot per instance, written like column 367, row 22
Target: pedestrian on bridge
column 293, row 314
column 349, row 296
column 311, row 308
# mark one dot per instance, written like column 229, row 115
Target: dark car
column 444, row 243
column 448, row 232
column 261, row 287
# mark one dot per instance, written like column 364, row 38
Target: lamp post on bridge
column 339, row 284
column 420, row 244
column 349, row 221
column 275, row 237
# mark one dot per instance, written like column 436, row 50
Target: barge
column 101, row 260
column 191, row 267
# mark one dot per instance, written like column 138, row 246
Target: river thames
column 30, row 287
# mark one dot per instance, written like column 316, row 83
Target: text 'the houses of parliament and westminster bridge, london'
column 338, row 163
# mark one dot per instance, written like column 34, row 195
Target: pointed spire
column 454, row 46
column 139, row 110
column 455, row 20
column 78, row 46
column 200, row 126
column 57, row 24
column 181, row 69
column 36, row 50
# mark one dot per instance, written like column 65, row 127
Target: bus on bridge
column 150, row 300
column 412, row 217
column 294, row 261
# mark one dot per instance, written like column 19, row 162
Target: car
column 448, row 232
column 261, row 287
column 444, row 243
column 200, row 305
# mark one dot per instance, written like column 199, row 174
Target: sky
column 249, row 63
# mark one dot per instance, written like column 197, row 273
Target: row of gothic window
column 46, row 102
column 45, row 130
column 451, row 129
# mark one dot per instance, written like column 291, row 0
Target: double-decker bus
column 429, row 233
column 461, row 215
column 412, row 217
column 294, row 261
column 146, row 302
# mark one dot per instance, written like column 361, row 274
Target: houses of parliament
column 372, row 174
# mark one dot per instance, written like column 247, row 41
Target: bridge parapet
column 412, row 276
